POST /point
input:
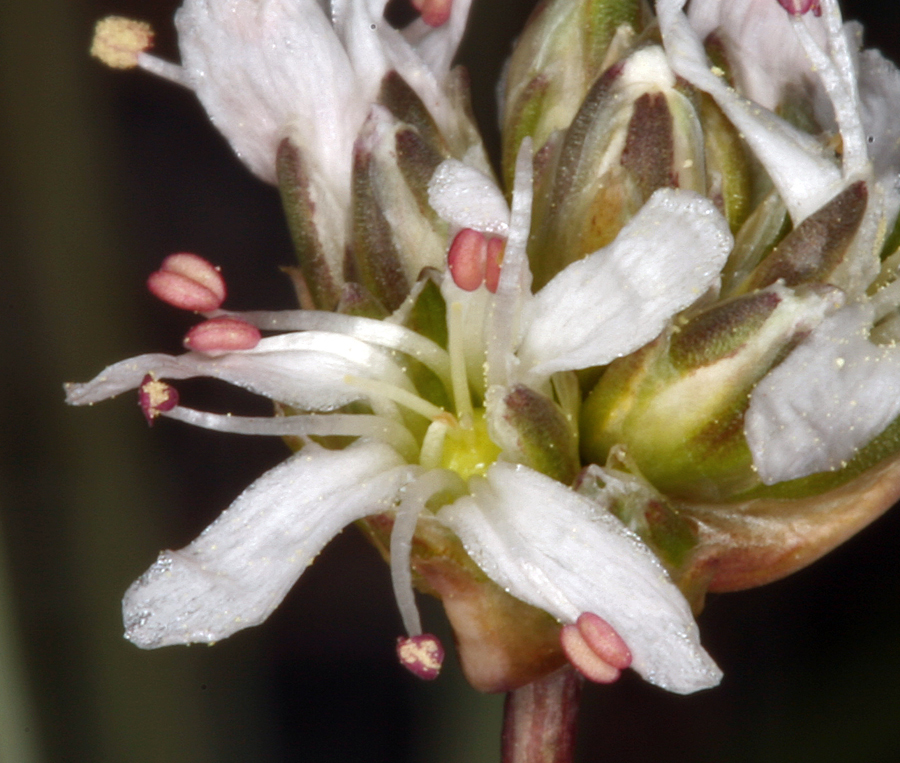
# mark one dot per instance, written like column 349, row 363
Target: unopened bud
column 634, row 133
column 566, row 45
column 189, row 282
column 421, row 655
column 677, row 405
column 221, row 335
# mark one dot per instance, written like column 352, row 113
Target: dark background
column 102, row 174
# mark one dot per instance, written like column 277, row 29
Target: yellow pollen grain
column 157, row 392
column 118, row 41
column 419, row 654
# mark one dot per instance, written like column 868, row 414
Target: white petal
column 620, row 297
column 761, row 44
column 504, row 326
column 306, row 369
column 831, row 396
column 805, row 176
column 259, row 68
column 879, row 90
column 561, row 552
column 242, row 566
column 467, row 198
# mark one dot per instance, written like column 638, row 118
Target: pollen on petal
column 467, row 259
column 221, row 335
column 156, row 397
column 435, row 13
column 595, row 649
column 422, row 655
column 188, row 282
column 118, row 41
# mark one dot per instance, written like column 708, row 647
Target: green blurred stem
column 539, row 720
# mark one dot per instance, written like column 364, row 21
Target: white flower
column 268, row 69
column 534, row 536
column 838, row 390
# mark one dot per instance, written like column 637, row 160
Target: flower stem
column 539, row 720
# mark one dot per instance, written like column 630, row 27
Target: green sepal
column 300, row 210
column 538, row 433
column 815, row 248
column 404, row 103
column 376, row 260
column 677, row 405
column 428, row 315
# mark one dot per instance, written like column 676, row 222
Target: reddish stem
column 539, row 720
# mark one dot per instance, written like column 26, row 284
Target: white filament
column 339, row 424
column 382, row 333
column 406, row 517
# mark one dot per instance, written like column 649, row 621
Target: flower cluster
column 662, row 363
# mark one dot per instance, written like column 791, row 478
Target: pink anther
column 434, row 12
column 422, row 655
column 495, row 249
column 595, row 648
column 188, row 282
column 221, row 335
column 467, row 259
column 156, row 397
column 801, row 7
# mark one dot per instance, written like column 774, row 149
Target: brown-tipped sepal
column 535, row 431
column 316, row 224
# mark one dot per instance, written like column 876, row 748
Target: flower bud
column 564, row 48
column 634, row 133
column 677, row 405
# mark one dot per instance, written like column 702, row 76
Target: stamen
column 165, row 69
column 118, row 41
column 405, row 519
column 595, row 649
column 458, row 377
column 433, row 444
column 495, row 250
column 421, row 655
column 837, row 73
column 156, row 397
column 405, row 398
column 188, row 282
column 435, row 13
column 467, row 258
column 324, row 425
column 222, row 335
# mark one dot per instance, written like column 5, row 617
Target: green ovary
column 469, row 451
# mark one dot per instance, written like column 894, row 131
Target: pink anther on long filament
column 422, row 655
column 595, row 649
column 189, row 282
column 434, row 12
column 220, row 335
column 467, row 259
column 801, row 7
column 156, row 397
column 494, row 261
